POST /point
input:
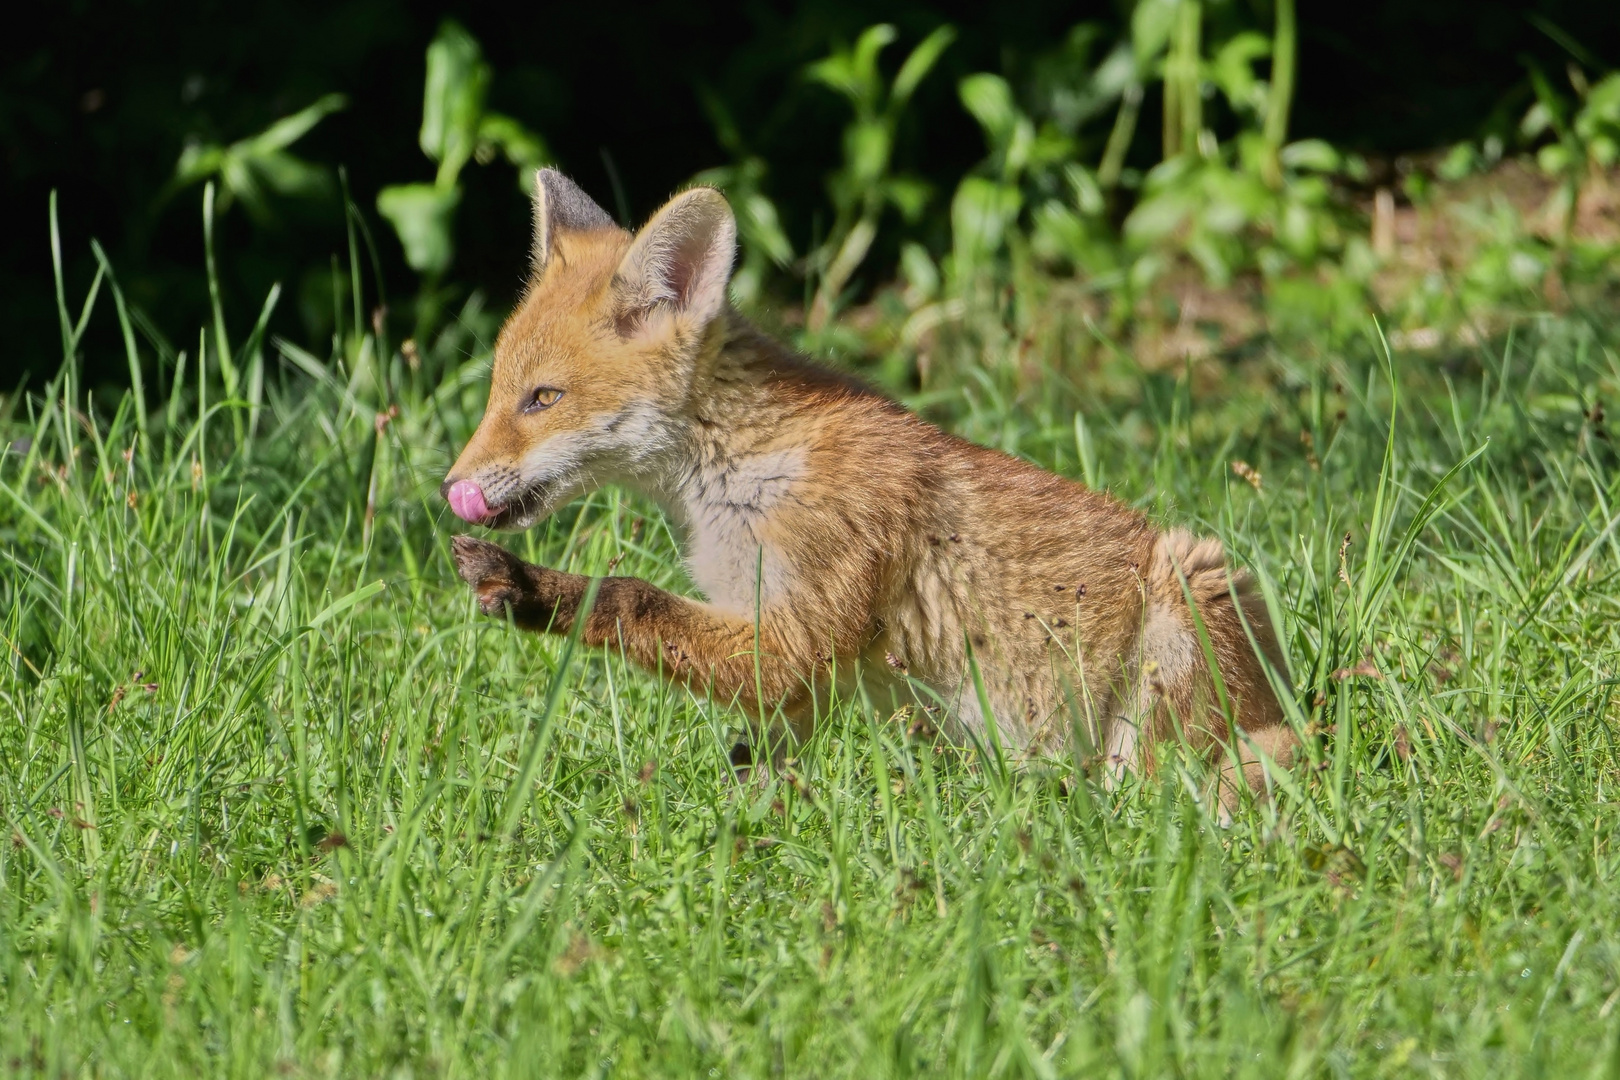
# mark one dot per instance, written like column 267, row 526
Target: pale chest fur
column 725, row 505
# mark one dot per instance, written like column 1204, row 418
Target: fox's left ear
column 679, row 264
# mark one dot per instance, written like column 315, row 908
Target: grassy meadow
column 278, row 801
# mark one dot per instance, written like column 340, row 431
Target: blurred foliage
column 255, row 168
column 456, row 128
column 1229, row 200
column 1172, row 177
column 765, row 243
column 866, row 183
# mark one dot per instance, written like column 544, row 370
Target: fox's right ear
column 560, row 205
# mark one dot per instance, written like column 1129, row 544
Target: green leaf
column 1049, row 147
column 853, row 72
column 989, row 100
column 1058, row 232
column 453, row 99
column 1459, row 161
column 1537, row 119
column 290, row 176
column 919, row 64
column 866, row 151
column 1019, row 151
column 1298, row 230
column 864, row 57
column 1211, row 260
column 238, row 181
column 1156, row 217
column 289, row 129
column 519, row 145
column 1233, row 70
column 980, row 214
column 198, row 161
column 762, row 227
column 1312, row 155
column 1169, row 173
column 835, row 73
column 250, row 166
column 918, row 269
column 421, row 215
column 1228, row 205
column 1117, row 71
column 909, row 195
column 1554, row 158
column 1151, row 24
column 1088, row 193
column 1603, row 99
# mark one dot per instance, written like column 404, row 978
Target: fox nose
column 466, row 500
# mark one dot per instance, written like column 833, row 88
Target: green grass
column 264, row 816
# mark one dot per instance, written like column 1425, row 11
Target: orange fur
column 841, row 533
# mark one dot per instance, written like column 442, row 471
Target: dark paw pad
column 479, row 560
column 493, row 572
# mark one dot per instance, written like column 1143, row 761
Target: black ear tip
column 566, row 203
column 554, row 181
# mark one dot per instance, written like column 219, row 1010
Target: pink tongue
column 467, row 500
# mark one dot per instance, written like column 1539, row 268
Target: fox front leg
column 726, row 656
column 538, row 599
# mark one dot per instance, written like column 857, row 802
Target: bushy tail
column 1186, row 584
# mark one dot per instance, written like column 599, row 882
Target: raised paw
column 496, row 575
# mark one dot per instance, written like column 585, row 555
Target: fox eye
column 543, row 398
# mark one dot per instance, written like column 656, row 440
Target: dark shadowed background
column 97, row 102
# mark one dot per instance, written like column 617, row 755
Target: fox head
column 600, row 355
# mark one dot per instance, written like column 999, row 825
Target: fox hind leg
column 1195, row 609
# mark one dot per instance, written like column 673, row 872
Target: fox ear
column 680, row 262
column 559, row 204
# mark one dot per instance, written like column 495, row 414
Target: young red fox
column 832, row 531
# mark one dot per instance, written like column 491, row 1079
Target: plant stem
column 222, row 344
column 1192, row 112
column 857, row 242
column 1119, row 140
column 1284, row 46
column 1170, row 135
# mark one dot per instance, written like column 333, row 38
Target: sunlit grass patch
column 277, row 799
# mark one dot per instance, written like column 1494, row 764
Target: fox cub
column 835, row 534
